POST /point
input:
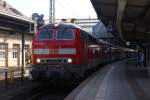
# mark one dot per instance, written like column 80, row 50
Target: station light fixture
column 56, row 24
column 127, row 43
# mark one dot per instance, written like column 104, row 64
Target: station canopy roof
column 13, row 20
column 130, row 19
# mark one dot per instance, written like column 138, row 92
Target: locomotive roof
column 61, row 25
column 64, row 25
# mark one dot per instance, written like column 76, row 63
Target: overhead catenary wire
column 70, row 7
column 68, row 11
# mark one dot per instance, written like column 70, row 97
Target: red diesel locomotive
column 65, row 50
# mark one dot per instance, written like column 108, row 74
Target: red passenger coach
column 64, row 50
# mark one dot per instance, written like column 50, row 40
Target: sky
column 64, row 8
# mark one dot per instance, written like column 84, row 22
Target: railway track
column 50, row 91
column 53, row 90
column 50, row 96
column 57, row 91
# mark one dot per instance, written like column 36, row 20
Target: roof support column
column 148, row 56
column 23, row 55
column 121, row 8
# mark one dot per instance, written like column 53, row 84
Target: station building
column 10, row 39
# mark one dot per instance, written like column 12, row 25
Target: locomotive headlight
column 38, row 60
column 69, row 60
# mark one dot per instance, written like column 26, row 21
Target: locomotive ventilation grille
column 54, row 61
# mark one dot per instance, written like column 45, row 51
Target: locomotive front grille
column 54, row 61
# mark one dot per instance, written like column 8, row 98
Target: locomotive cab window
column 65, row 34
column 45, row 35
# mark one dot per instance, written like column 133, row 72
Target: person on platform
column 140, row 59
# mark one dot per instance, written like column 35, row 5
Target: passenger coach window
column 45, row 35
column 65, row 34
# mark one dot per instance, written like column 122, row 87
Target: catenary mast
column 51, row 11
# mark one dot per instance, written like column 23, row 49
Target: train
column 65, row 50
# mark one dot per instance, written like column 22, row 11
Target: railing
column 10, row 73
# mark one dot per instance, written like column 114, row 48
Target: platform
column 116, row 81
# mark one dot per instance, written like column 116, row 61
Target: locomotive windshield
column 65, row 34
column 45, row 35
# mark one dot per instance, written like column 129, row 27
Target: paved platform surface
column 116, row 81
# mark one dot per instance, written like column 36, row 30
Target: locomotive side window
column 45, row 35
column 65, row 34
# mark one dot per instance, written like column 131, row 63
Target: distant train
column 66, row 51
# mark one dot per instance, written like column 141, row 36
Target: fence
column 12, row 73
